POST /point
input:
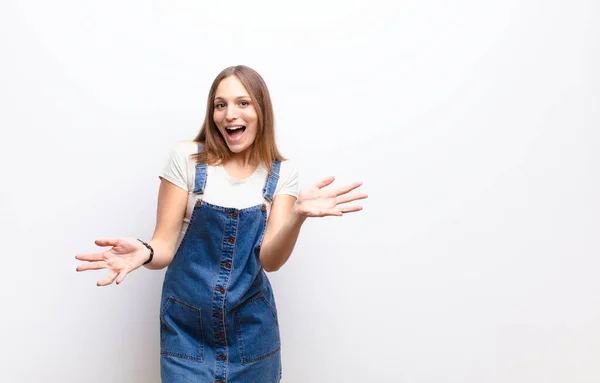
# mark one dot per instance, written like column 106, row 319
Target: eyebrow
column 237, row 98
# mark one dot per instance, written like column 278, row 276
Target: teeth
column 235, row 128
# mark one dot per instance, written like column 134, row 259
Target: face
column 234, row 114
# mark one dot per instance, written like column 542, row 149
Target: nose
column 231, row 113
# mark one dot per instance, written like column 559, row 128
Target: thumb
column 121, row 276
column 106, row 242
column 325, row 181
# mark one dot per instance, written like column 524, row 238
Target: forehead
column 230, row 88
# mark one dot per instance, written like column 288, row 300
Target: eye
column 219, row 105
column 244, row 103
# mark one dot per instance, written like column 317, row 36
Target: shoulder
column 288, row 169
column 288, row 182
column 179, row 167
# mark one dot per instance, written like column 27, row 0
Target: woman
column 228, row 210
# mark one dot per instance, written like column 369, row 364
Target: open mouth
column 235, row 131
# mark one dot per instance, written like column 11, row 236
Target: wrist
column 298, row 217
column 151, row 252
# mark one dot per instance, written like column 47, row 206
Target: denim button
column 227, row 265
column 220, row 289
column 230, row 240
column 219, row 381
column 263, row 207
column 222, row 357
column 198, row 203
column 234, row 214
column 219, row 315
column 220, row 335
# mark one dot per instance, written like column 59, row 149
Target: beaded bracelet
column 151, row 251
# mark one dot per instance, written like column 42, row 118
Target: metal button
column 219, row 381
column 263, row 207
column 230, row 240
column 199, row 203
column 219, row 315
column 220, row 289
column 235, row 214
column 222, row 357
column 220, row 335
column 227, row 265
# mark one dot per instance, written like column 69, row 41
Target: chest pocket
column 257, row 330
column 181, row 333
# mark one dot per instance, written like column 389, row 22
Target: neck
column 243, row 159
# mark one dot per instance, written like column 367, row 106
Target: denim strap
column 200, row 180
column 271, row 184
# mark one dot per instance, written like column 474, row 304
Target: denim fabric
column 218, row 315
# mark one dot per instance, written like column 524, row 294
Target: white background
column 474, row 125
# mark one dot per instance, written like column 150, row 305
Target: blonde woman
column 228, row 210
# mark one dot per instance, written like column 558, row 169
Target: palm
column 317, row 201
column 126, row 255
column 121, row 256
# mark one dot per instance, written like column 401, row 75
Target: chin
column 238, row 149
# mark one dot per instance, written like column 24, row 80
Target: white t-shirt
column 221, row 189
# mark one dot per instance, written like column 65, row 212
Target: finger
column 89, row 257
column 106, row 242
column 110, row 279
column 348, row 188
column 92, row 266
column 350, row 198
column 327, row 213
column 325, row 181
column 121, row 276
column 350, row 209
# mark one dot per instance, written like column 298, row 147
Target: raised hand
column 316, row 201
column 126, row 255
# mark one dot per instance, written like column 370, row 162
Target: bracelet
column 151, row 251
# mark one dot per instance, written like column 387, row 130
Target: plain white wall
column 474, row 126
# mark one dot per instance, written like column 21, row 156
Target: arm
column 281, row 233
column 288, row 214
column 172, row 202
column 128, row 254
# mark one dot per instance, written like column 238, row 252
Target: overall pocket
column 257, row 330
column 181, row 333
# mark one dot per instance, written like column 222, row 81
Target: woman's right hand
column 126, row 255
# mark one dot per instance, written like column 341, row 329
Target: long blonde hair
column 264, row 148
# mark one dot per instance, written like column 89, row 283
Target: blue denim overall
column 218, row 315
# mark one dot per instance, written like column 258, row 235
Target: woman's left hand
column 316, row 201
